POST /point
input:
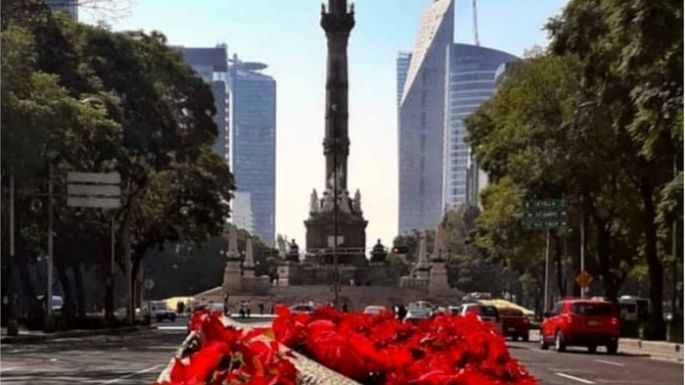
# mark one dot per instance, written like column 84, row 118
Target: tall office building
column 68, row 6
column 472, row 81
column 211, row 64
column 421, row 121
column 241, row 213
column 253, row 132
column 403, row 60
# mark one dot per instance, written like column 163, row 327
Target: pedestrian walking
column 401, row 312
column 261, row 308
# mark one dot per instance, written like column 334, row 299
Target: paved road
column 577, row 367
column 130, row 359
column 138, row 359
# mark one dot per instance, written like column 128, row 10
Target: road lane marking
column 574, row 378
column 133, row 374
column 172, row 328
column 610, row 362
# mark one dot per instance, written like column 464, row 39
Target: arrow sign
column 584, row 279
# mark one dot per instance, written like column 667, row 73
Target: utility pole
column 109, row 300
column 547, row 293
column 48, row 289
column 582, row 249
column 12, row 325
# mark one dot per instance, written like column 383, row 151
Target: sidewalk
column 29, row 336
column 661, row 350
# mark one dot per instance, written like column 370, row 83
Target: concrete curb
column 655, row 349
column 661, row 350
column 29, row 338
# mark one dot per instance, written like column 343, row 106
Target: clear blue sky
column 286, row 35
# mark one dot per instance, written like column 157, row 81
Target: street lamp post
column 336, row 289
column 48, row 289
column 12, row 326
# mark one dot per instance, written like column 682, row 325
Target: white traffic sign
column 104, row 190
column 94, row 190
column 93, row 202
column 93, row 177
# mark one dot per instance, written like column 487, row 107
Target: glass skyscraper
column 253, row 132
column 421, row 121
column 472, row 71
column 68, row 6
column 403, row 60
column 211, row 64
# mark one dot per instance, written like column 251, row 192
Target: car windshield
column 488, row 311
column 511, row 312
column 593, row 309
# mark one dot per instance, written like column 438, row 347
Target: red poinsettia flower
column 382, row 350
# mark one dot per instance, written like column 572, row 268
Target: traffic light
column 400, row 250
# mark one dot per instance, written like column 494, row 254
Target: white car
column 415, row 314
column 375, row 309
column 57, row 302
column 302, row 308
column 486, row 313
column 160, row 311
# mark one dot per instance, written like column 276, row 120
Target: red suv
column 514, row 324
column 581, row 322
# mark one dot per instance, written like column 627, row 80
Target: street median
column 32, row 337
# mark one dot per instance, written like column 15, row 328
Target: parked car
column 57, row 302
column 581, row 322
column 302, row 308
column 416, row 314
column 375, row 309
column 454, row 310
column 487, row 313
column 160, row 311
column 422, row 305
column 514, row 324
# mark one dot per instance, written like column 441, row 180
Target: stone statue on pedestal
column 232, row 282
column 294, row 252
column 357, row 204
column 248, row 264
column 313, row 202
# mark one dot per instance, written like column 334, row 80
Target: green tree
column 152, row 122
column 631, row 54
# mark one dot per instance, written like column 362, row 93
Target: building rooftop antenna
column 475, row 24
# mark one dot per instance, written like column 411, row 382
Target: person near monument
column 401, row 312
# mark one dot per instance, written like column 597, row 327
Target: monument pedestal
column 438, row 278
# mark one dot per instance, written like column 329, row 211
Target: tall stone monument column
column 337, row 20
column 248, row 264
column 438, row 274
column 422, row 267
column 232, row 278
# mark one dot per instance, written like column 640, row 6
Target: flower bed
column 445, row 350
column 218, row 354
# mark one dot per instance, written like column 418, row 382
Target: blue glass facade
column 253, row 132
column 421, row 121
column 471, row 81
column 211, row 64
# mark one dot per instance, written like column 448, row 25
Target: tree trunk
column 69, row 304
column 78, row 286
column 604, row 252
column 558, row 264
column 655, row 267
